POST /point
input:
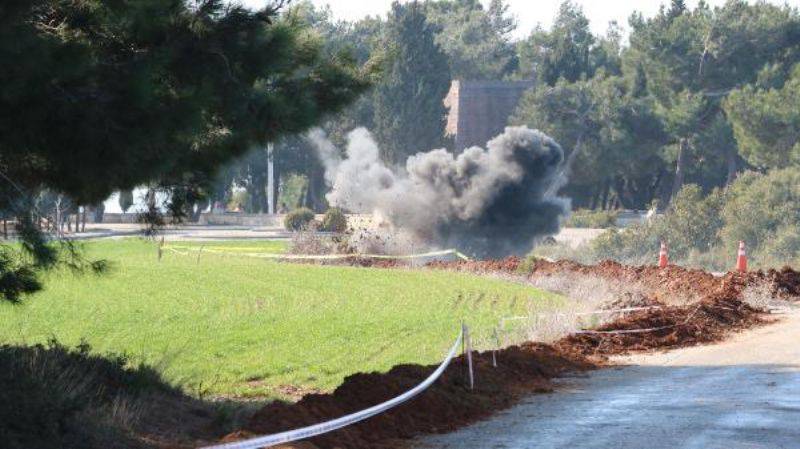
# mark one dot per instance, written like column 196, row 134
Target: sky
column 529, row 13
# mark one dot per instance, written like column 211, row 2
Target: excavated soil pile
column 443, row 407
column 663, row 284
column 508, row 265
column 715, row 303
column 785, row 282
column 716, row 310
column 669, row 327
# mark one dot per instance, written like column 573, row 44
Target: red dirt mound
column 508, row 265
column 668, row 327
column 443, row 407
column 529, row 368
column 786, row 281
column 716, row 310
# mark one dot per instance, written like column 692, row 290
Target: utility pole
column 270, row 180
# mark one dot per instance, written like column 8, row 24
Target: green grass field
column 235, row 325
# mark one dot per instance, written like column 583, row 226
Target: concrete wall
column 479, row 110
column 241, row 220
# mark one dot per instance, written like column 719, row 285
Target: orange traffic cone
column 663, row 259
column 741, row 259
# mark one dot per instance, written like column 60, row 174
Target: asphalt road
column 743, row 393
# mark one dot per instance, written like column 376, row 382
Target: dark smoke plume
column 489, row 202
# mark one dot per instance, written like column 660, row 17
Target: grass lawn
column 234, row 325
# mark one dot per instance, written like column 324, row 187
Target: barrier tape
column 611, row 332
column 334, row 424
column 645, row 330
column 595, row 312
column 322, row 256
column 629, row 331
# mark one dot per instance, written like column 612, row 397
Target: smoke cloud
column 489, row 202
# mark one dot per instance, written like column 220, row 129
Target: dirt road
column 743, row 393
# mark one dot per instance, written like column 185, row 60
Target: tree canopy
column 100, row 96
column 409, row 111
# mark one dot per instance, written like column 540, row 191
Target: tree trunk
column 316, row 190
column 99, row 213
column 198, row 209
column 655, row 186
column 604, row 201
column 276, row 182
column 59, row 218
column 258, row 191
column 83, row 220
column 680, row 166
column 731, row 159
column 595, row 199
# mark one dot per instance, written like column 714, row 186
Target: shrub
column 240, row 199
column 585, row 218
column 334, row 221
column 782, row 247
column 764, row 212
column 634, row 245
column 298, row 219
column 692, row 221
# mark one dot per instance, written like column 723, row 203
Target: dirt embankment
column 712, row 306
column 445, row 406
column 717, row 308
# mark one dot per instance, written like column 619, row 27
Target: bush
column 334, row 221
column 693, row 222
column 298, row 219
column 764, row 212
column 585, row 218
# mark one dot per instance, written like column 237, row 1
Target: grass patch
column 227, row 325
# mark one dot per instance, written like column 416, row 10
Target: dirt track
column 742, row 393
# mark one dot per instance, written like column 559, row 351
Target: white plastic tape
column 338, row 423
column 627, row 331
column 323, row 256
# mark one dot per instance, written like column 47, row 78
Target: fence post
column 468, row 343
column 496, row 347
column 199, row 251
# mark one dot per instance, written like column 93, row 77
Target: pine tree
column 676, row 9
column 409, row 108
column 148, row 92
column 570, row 46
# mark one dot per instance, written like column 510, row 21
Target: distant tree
column 125, row 200
column 692, row 59
column 477, row 42
column 676, row 8
column 568, row 50
column 409, row 108
column 570, row 44
column 612, row 138
column 766, row 123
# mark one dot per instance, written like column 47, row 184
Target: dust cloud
column 490, row 202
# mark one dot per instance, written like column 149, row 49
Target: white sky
column 528, row 12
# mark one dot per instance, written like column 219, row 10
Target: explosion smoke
column 488, row 202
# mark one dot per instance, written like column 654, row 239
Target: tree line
column 688, row 96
